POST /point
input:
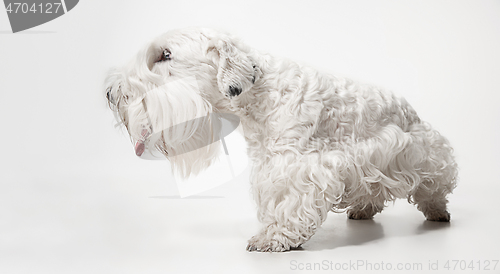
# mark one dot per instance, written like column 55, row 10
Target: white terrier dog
column 317, row 142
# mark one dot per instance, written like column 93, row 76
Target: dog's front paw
column 263, row 243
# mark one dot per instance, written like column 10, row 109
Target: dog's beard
column 175, row 120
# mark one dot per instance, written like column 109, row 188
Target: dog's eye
column 165, row 56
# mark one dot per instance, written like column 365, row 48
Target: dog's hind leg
column 438, row 174
column 294, row 194
column 432, row 203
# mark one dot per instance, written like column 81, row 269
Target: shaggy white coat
column 318, row 142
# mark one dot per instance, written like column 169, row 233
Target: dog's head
column 165, row 95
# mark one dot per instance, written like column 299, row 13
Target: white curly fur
column 318, row 142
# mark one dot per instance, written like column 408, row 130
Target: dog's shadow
column 427, row 226
column 342, row 232
column 345, row 232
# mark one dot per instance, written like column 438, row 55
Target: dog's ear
column 236, row 71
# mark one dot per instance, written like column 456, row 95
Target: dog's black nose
column 234, row 91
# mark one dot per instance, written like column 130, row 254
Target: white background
column 75, row 199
